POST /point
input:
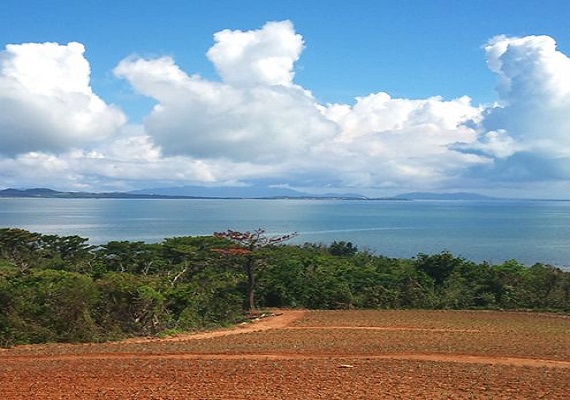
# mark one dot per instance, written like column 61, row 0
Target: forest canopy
column 61, row 288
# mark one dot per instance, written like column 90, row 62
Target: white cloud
column 256, row 123
column 261, row 57
column 495, row 144
column 47, row 102
column 255, row 114
column 402, row 141
column 528, row 131
column 530, row 69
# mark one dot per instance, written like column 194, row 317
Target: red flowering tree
column 245, row 247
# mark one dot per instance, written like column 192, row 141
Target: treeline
column 60, row 288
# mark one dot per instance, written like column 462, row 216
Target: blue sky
column 378, row 97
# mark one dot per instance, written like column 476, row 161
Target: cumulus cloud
column 130, row 161
column 528, row 131
column 259, row 57
column 404, row 141
column 256, row 124
column 254, row 114
column 46, row 100
column 257, row 114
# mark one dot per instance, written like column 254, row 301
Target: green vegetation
column 56, row 288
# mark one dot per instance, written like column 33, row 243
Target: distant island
column 443, row 196
column 158, row 194
column 54, row 194
column 198, row 192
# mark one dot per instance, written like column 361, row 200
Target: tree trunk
column 250, row 270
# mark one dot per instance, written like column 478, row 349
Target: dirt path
column 282, row 320
column 436, row 357
column 278, row 320
column 384, row 328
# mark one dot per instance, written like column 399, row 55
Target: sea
column 494, row 231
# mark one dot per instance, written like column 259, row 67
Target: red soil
column 291, row 356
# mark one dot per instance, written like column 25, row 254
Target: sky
column 371, row 96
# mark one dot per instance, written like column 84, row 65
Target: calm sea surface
column 495, row 231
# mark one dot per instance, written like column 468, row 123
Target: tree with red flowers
column 246, row 246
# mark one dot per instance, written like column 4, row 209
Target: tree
column 342, row 248
column 50, row 305
column 20, row 247
column 246, row 247
column 186, row 256
column 132, row 304
column 72, row 253
column 439, row 266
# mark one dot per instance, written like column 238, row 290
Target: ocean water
column 494, row 231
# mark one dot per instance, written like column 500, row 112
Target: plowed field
column 313, row 355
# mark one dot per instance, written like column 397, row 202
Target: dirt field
column 313, row 355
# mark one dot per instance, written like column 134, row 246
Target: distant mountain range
column 443, row 196
column 186, row 192
column 245, row 192
column 242, row 192
column 50, row 193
